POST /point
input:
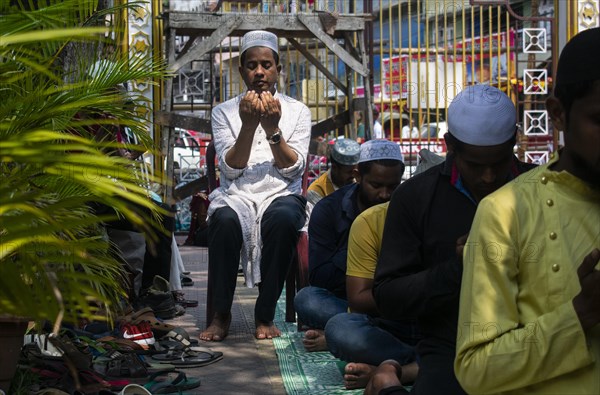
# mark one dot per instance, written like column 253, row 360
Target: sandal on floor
column 186, row 281
column 121, row 366
column 159, row 328
column 172, row 385
column 181, row 300
column 111, row 343
column 190, row 357
column 179, row 335
column 75, row 353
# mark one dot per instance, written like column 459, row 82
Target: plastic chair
column 297, row 277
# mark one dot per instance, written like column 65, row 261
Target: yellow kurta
column 517, row 329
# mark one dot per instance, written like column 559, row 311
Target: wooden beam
column 351, row 48
column 207, row 44
column 175, row 120
column 329, row 124
column 300, row 48
column 190, row 188
column 367, row 88
column 333, row 46
column 284, row 25
column 189, row 44
column 359, row 103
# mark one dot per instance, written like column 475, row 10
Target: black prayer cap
column 579, row 60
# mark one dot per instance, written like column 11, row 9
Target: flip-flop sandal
column 172, row 386
column 180, row 335
column 124, row 346
column 178, row 340
column 191, row 357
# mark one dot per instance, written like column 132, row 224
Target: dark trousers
column 157, row 259
column 279, row 232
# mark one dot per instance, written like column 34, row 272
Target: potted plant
column 55, row 264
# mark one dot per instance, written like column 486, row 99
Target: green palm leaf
column 55, row 263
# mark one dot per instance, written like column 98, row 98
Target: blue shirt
column 328, row 231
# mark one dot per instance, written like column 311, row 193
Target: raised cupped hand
column 271, row 114
column 250, row 110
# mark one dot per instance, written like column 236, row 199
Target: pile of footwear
column 140, row 354
column 161, row 299
column 144, row 353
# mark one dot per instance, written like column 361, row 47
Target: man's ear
column 557, row 113
column 449, row 144
column 279, row 68
column 356, row 174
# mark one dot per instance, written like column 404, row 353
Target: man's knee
column 224, row 219
column 286, row 214
column 308, row 301
column 301, row 299
column 343, row 332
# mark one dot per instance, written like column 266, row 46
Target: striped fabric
column 303, row 373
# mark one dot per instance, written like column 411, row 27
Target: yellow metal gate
column 418, row 54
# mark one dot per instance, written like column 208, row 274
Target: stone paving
column 248, row 366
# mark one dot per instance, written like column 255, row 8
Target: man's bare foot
column 314, row 340
column 410, row 372
column 218, row 329
column 357, row 375
column 266, row 330
column 386, row 375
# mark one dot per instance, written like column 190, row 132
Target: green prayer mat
column 306, row 373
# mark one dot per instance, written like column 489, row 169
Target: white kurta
column 249, row 191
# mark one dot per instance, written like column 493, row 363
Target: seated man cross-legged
column 361, row 336
column 379, row 172
column 418, row 273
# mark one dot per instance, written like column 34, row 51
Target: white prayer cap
column 259, row 38
column 379, row 149
column 482, row 115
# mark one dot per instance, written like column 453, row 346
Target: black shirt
column 418, row 273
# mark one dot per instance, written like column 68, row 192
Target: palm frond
column 55, row 262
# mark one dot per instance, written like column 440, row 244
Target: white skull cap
column 482, row 115
column 259, row 38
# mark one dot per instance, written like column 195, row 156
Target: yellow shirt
column 322, row 185
column 518, row 332
column 364, row 242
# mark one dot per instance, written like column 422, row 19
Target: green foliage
column 54, row 262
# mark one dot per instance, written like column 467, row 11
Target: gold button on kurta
column 552, row 236
column 550, row 202
column 555, row 267
column 544, row 180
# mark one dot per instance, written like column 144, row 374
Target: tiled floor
column 248, row 366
